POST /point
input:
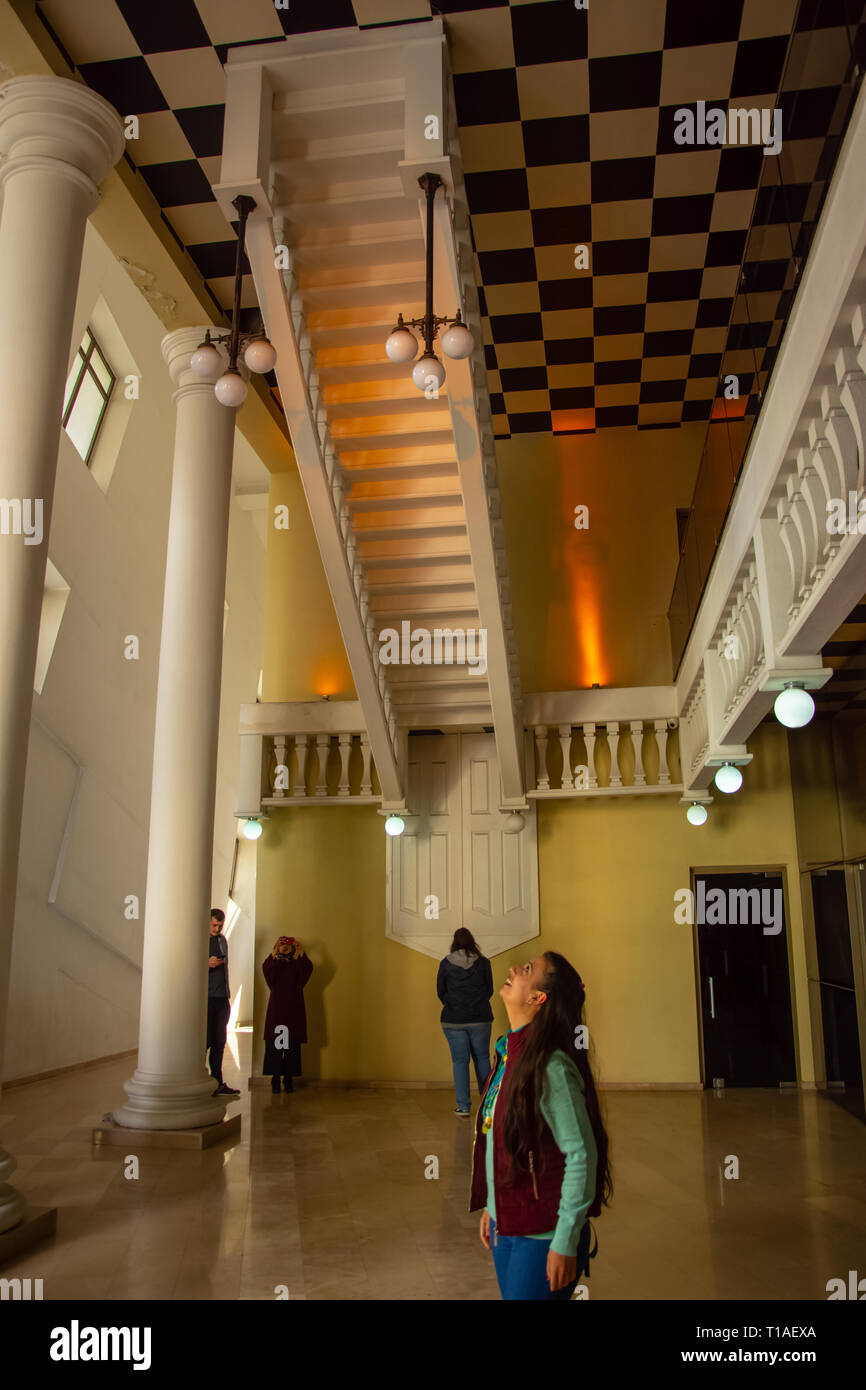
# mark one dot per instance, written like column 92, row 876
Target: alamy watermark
column 744, row 907
column 739, row 125
column 441, row 647
column 22, row 517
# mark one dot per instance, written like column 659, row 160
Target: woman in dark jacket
column 465, row 984
column 540, row 1164
column 287, row 969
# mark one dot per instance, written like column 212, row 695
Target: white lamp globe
column 696, row 814
column 426, row 370
column 395, row 825
column 206, row 362
column 514, row 823
column 457, row 341
column 231, row 389
column 260, row 355
column 794, row 707
column 402, row 345
column 729, row 778
column 251, row 829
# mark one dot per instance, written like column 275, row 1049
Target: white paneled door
column 454, row 865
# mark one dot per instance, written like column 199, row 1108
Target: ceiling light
column 251, row 829
column 457, row 340
column 231, row 389
column 402, row 345
column 794, row 706
column 260, row 355
column 514, row 823
column 395, row 825
column 428, row 369
column 696, row 814
column 729, row 778
column 206, row 361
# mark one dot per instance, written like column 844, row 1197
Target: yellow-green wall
column 608, row 871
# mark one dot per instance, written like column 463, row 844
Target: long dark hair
column 553, row 1028
column 465, row 941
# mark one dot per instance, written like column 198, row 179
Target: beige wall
column 608, row 872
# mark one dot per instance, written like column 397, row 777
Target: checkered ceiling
column 567, row 131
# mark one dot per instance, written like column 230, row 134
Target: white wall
column 76, row 961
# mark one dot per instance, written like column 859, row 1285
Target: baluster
column 852, row 394
column 613, row 741
column 637, row 744
column 323, row 747
column 661, row 728
column 281, row 771
column 300, row 788
column 591, row 768
column 366, row 778
column 565, row 741
column 345, row 742
column 542, row 781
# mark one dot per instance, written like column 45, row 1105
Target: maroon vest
column 527, row 1204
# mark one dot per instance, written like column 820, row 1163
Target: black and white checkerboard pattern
column 566, row 122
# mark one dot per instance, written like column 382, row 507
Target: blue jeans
column 465, row 1039
column 521, row 1266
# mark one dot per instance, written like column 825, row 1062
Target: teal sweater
column 564, row 1108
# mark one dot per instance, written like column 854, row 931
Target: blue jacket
column 465, row 984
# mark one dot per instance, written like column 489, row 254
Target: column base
column 158, row 1104
column 37, row 1224
column 109, row 1134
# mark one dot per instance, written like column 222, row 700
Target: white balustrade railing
column 317, row 768
column 611, row 758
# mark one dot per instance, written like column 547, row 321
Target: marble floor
column 325, row 1193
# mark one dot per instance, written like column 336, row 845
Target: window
column 53, row 606
column 87, row 394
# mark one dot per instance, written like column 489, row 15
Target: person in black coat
column 287, row 969
column 465, row 985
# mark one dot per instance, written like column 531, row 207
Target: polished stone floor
column 325, row 1193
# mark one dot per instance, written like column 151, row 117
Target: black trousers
column 282, row 1062
column 218, row 1011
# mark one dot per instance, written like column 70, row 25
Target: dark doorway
column 838, row 999
column 748, row 1031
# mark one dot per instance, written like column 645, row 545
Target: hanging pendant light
column 259, row 352
column 457, row 341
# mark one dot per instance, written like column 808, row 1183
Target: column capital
column 178, row 347
column 54, row 119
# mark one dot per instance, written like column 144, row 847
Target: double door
column 456, row 865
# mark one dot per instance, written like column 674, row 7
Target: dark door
column 748, row 1030
column 838, row 1000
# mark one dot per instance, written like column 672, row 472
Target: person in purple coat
column 287, row 969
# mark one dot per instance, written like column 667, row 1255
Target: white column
column 171, row 1088
column 58, row 140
